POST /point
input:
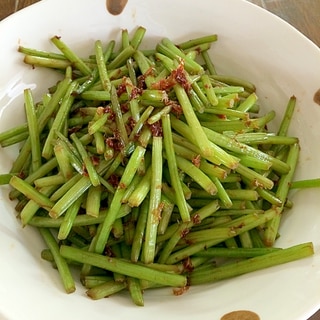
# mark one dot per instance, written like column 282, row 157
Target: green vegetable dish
column 144, row 168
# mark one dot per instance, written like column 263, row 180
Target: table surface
column 304, row 15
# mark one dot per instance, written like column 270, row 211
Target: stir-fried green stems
column 145, row 168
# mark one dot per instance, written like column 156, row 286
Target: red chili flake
column 124, row 107
column 157, row 212
column 222, row 116
column 165, row 84
column 180, row 76
column 149, row 72
column 142, row 78
column 156, row 129
column 115, row 142
column 74, row 94
column 95, row 160
column 109, row 252
column 176, row 109
column 108, row 109
column 22, row 175
column 180, row 291
column 187, row 265
column 197, row 161
column 121, row 185
column 121, row 89
column 131, row 123
column 74, row 129
column 135, row 92
column 177, row 76
column 196, row 219
column 141, row 84
column 114, row 180
column 241, row 225
column 84, row 171
column 184, row 232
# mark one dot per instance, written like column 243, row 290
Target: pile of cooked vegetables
column 145, row 168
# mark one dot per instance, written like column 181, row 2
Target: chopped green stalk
column 47, row 62
column 286, row 120
column 194, row 125
column 70, row 193
column 48, row 181
column 31, row 207
column 172, row 165
column 283, row 188
column 151, row 169
column 95, row 280
column 208, row 62
column 237, row 252
column 100, row 58
column 139, row 231
column 121, row 58
column 93, row 201
column 115, row 205
column 218, row 156
column 209, row 90
column 157, row 116
column 69, row 218
column 183, row 229
column 234, row 81
column 257, row 263
column 303, row 184
column 247, row 104
column 123, row 266
column 105, row 290
column 97, row 123
column 41, row 53
column 237, row 147
column 80, row 220
column 254, row 138
column 167, row 209
column 118, row 115
column 42, row 121
column 99, row 142
column 71, row 151
column 31, row 193
column 90, row 169
column 234, row 230
column 255, row 178
column 226, row 112
column 71, row 55
column 168, row 48
column 59, row 120
column 196, row 174
column 96, row 95
column 138, row 37
column 70, row 197
column 154, row 212
column 33, row 129
column 5, row 178
column 13, row 133
column 135, row 290
column 61, row 263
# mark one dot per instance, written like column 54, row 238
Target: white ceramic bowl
column 254, row 45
